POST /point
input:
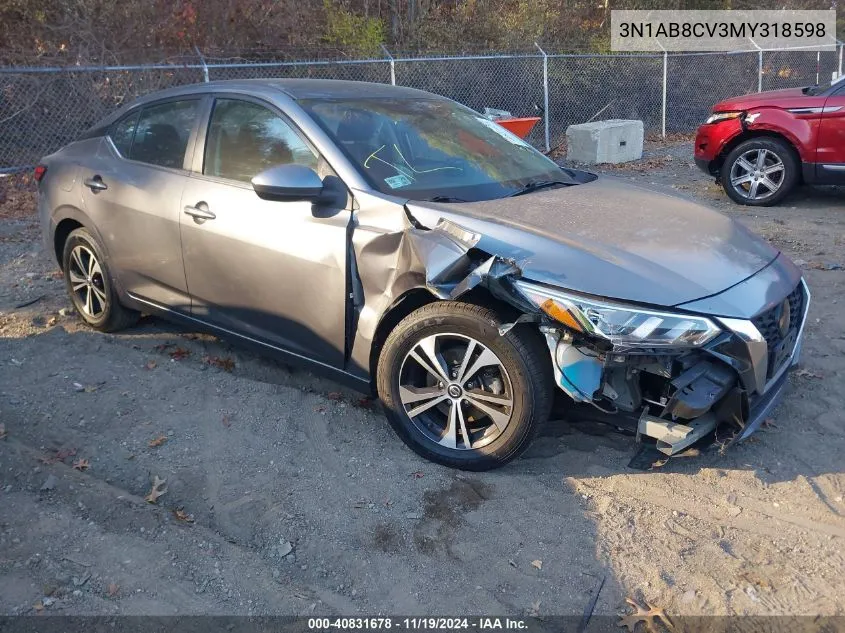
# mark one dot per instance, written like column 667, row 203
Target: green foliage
column 356, row 33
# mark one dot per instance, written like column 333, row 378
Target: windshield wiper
column 539, row 184
column 444, row 199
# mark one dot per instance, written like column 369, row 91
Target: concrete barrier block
column 612, row 141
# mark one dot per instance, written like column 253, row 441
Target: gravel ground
column 286, row 494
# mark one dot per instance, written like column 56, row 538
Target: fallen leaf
column 183, row 516
column 3, row 433
column 808, row 373
column 658, row 464
column 534, row 611
column 157, row 490
column 417, row 475
column 366, row 403
column 512, row 563
column 334, row 395
column 227, row 422
column 226, row 363
column 81, row 464
column 151, row 364
column 649, row 617
column 158, row 441
column 320, row 409
column 38, row 606
column 537, row 563
column 51, row 321
column 112, row 590
column 179, row 353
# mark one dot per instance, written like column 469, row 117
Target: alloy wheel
column 86, row 281
column 456, row 391
column 757, row 174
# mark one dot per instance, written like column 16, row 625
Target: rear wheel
column 90, row 284
column 459, row 393
column 760, row 172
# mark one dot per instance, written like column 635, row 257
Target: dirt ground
column 286, row 494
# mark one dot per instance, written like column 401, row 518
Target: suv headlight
column 619, row 323
column 722, row 116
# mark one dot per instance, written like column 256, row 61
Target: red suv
column 761, row 145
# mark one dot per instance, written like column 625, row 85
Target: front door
column 830, row 154
column 272, row 271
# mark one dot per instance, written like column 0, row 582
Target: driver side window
column 244, row 139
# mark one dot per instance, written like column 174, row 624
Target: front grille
column 780, row 346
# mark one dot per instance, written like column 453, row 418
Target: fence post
column 545, row 96
column 759, row 65
column 204, row 67
column 665, row 81
column 841, row 46
column 392, row 65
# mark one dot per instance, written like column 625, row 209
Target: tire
column 776, row 154
column 90, row 281
column 522, row 372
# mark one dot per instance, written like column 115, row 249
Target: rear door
column 272, row 271
column 133, row 191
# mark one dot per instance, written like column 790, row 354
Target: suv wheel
column 760, row 172
column 459, row 393
column 90, row 285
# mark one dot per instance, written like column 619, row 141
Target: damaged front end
column 672, row 377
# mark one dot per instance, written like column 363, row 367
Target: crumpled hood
column 612, row 238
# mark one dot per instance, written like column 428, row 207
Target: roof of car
column 303, row 89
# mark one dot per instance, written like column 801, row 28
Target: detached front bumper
column 678, row 397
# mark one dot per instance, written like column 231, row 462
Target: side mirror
column 288, row 183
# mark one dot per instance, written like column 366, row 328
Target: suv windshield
column 434, row 149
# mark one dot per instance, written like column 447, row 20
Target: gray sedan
column 408, row 246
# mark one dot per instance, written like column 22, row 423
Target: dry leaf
column 81, row 464
column 417, row 475
column 807, row 373
column 537, row 563
column 334, row 395
column 151, row 364
column 38, row 606
column 534, row 611
column 3, row 431
column 161, row 439
column 649, row 617
column 157, row 490
column 226, row 364
column 112, row 590
column 179, row 353
column 183, row 516
column 227, row 422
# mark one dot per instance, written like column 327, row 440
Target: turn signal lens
column 722, row 116
column 39, row 172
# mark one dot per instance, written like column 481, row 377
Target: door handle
column 200, row 212
column 96, row 184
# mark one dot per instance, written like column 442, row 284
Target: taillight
column 39, row 172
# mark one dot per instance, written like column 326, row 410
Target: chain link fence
column 42, row 109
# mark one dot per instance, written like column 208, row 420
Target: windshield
column 433, row 149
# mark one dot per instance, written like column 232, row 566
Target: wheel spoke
column 426, row 406
column 752, row 192
column 76, row 259
column 431, row 363
column 761, row 158
column 89, row 308
column 95, row 268
column 467, row 356
column 409, row 395
column 744, row 164
column 769, row 184
column 499, row 418
column 741, row 180
column 486, row 396
column 91, row 263
column 773, row 169
column 485, row 359
column 450, row 437
column 101, row 296
column 463, row 422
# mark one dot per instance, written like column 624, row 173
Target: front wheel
column 760, row 172
column 459, row 393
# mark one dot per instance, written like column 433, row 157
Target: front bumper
column 710, row 141
column 735, row 380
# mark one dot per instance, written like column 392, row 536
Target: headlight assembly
column 722, row 116
column 618, row 323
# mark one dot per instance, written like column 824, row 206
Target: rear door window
column 162, row 133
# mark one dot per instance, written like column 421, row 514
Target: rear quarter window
column 122, row 132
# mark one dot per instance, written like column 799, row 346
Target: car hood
column 612, row 238
column 770, row 97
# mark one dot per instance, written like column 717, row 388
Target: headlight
column 722, row 116
column 619, row 323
